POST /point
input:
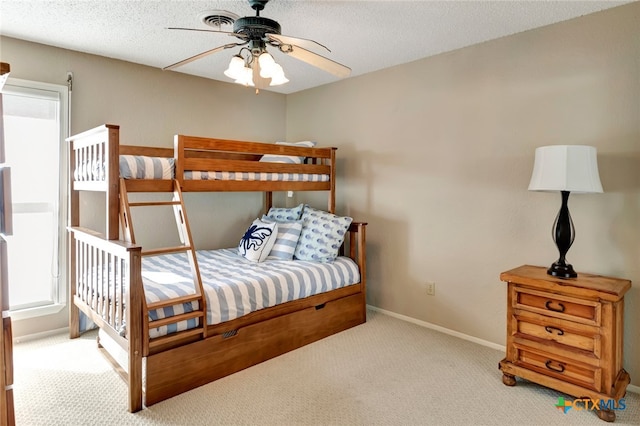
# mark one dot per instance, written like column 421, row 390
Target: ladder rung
column 172, row 302
column 178, row 249
column 158, row 341
column 176, row 318
column 154, row 203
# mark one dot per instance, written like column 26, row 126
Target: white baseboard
column 440, row 329
column 34, row 336
column 630, row 388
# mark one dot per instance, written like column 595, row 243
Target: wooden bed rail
column 223, row 155
column 106, row 285
column 94, row 154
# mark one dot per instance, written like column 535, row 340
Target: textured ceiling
column 364, row 35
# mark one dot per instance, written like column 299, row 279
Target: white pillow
column 258, row 240
column 289, row 159
column 288, row 235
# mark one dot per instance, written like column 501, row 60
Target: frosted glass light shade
column 572, row 168
column 267, row 65
column 236, row 65
column 246, row 77
column 278, row 76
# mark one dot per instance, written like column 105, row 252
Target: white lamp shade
column 572, row 168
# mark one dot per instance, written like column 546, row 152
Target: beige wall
column 151, row 106
column 437, row 155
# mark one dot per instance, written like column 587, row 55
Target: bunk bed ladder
column 187, row 247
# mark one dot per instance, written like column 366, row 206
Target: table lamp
column 565, row 168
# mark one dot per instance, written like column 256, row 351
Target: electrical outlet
column 431, row 289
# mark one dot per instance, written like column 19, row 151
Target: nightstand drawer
column 561, row 368
column 557, row 306
column 566, row 334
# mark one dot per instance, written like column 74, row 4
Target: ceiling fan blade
column 202, row 55
column 208, row 31
column 283, row 39
column 316, row 60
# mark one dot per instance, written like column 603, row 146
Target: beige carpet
column 384, row 372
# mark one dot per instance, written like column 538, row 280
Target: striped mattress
column 235, row 286
column 283, row 177
column 143, row 167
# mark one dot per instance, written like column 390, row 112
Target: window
column 35, row 122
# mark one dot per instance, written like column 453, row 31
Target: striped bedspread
column 235, row 286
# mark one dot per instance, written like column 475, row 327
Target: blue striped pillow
column 287, row 239
column 289, row 159
column 142, row 167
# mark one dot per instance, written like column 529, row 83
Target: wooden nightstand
column 566, row 334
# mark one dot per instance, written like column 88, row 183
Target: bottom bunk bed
column 166, row 351
column 167, row 336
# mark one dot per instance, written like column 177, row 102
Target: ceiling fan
column 257, row 67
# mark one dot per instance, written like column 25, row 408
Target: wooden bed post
column 331, row 208
column 268, row 201
column 362, row 258
column 178, row 154
column 135, row 330
column 74, row 220
column 112, row 151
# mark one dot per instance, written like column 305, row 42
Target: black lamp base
column 563, row 235
column 562, row 270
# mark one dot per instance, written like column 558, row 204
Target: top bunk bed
column 97, row 161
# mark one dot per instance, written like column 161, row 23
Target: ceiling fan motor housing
column 255, row 27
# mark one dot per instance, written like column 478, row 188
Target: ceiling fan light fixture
column 257, row 32
column 246, row 77
column 278, row 76
column 236, row 66
column 267, row 65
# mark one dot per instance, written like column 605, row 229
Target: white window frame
column 59, row 293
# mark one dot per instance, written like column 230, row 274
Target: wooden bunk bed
column 105, row 270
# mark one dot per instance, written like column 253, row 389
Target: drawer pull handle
column 558, row 331
column 559, row 369
column 549, row 307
